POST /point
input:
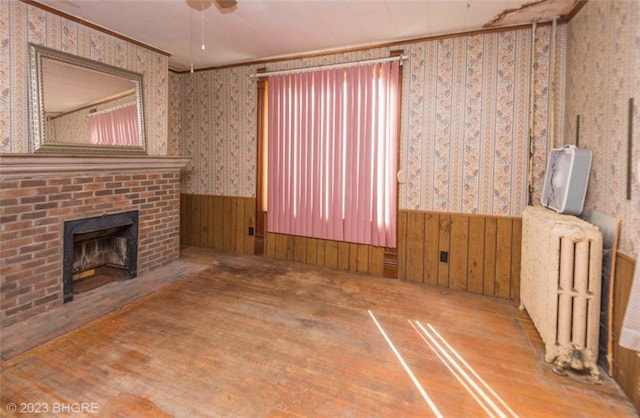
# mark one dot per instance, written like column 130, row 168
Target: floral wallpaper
column 217, row 130
column 465, row 121
column 71, row 128
column 175, row 116
column 603, row 73
column 21, row 24
column 465, row 127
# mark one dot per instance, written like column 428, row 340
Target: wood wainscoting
column 483, row 252
column 626, row 363
column 337, row 255
column 474, row 253
column 218, row 222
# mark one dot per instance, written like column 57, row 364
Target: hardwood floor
column 252, row 336
column 89, row 306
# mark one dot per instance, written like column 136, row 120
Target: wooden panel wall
column 219, row 222
column 483, row 251
column 626, row 363
column 326, row 253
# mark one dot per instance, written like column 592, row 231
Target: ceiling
column 70, row 87
column 265, row 29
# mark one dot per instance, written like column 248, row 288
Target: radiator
column 560, row 286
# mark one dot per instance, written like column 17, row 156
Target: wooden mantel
column 52, row 163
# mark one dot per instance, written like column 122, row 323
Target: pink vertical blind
column 115, row 127
column 332, row 141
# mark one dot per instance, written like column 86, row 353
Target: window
column 332, row 153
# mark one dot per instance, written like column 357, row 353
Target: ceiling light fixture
column 191, row 38
column 202, row 13
column 224, row 6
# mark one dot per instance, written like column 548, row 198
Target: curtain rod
column 111, row 109
column 321, row 67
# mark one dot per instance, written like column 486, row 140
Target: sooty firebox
column 103, row 242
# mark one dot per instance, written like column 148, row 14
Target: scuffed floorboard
column 89, row 306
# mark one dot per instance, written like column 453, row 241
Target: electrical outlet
column 250, row 230
column 444, row 256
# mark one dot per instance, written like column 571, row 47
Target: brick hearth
column 38, row 194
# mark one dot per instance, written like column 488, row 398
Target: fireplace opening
column 98, row 251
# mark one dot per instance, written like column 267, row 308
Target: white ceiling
column 265, row 29
column 71, row 87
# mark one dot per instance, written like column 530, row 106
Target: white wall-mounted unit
column 566, row 179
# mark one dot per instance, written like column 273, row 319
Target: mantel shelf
column 48, row 163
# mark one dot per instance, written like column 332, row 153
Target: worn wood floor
column 252, row 336
column 89, row 306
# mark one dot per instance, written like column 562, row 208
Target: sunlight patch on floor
column 415, row 381
column 479, row 390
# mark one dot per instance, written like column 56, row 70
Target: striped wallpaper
column 465, row 121
column 603, row 73
column 21, row 24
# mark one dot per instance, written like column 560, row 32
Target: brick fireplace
column 39, row 193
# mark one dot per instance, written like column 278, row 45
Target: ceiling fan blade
column 226, row 4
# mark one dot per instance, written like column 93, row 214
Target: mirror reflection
column 84, row 106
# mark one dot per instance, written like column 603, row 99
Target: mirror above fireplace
column 83, row 106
